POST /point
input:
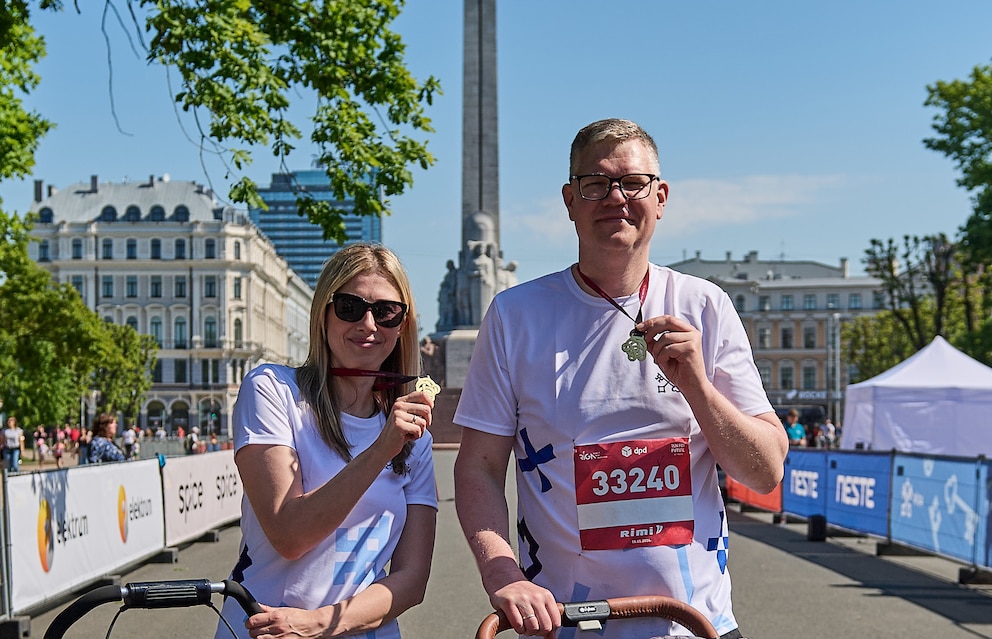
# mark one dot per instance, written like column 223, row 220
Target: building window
column 878, row 300
column 132, row 214
column 156, row 249
column 854, row 301
column 77, row 249
column 181, row 214
column 77, row 283
column 764, row 338
column 132, row 249
column 787, row 304
column 786, row 381
column 210, row 286
column 237, row 288
column 765, row 373
column 132, row 321
column 764, row 303
column 237, row 250
column 157, row 372
column 180, row 285
column 132, row 286
column 215, row 371
column 210, row 333
column 786, row 337
column 108, row 214
column 43, row 251
column 179, row 371
column 809, row 377
column 238, row 334
column 809, row 302
column 155, row 289
column 155, row 330
column 210, row 249
column 739, row 303
column 108, row 249
column 157, row 214
column 180, row 332
column 180, row 249
column 809, row 337
column 46, row 216
column 204, row 371
column 108, row 286
column 833, row 300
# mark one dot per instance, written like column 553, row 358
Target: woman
column 13, row 445
column 335, row 462
column 102, row 446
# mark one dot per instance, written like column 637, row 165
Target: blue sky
column 790, row 128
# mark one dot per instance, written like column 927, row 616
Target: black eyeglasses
column 351, row 308
column 634, row 186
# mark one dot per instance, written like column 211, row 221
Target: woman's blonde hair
column 314, row 376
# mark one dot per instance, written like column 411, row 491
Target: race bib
column 635, row 493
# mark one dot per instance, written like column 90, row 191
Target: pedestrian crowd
column 816, row 435
column 69, row 444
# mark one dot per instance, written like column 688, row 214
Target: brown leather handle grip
column 625, row 608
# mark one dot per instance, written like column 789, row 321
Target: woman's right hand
column 408, row 420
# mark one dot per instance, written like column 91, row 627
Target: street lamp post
column 836, row 367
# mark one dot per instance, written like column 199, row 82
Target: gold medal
column 635, row 347
column 430, row 387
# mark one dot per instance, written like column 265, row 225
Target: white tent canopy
column 939, row 401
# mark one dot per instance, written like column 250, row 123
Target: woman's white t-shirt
column 270, row 411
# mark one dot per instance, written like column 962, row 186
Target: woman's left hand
column 285, row 622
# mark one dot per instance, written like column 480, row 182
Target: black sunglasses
column 351, row 308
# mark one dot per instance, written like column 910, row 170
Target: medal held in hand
column 428, row 385
column 635, row 346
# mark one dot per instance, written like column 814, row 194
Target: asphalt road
column 784, row 587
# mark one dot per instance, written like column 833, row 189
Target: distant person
column 103, row 448
column 13, row 445
column 58, row 447
column 128, row 439
column 795, row 430
column 83, row 448
column 192, row 442
column 828, row 433
column 340, row 504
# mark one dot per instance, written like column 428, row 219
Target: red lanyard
column 642, row 294
column 386, row 379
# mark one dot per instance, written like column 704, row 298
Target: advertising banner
column 936, row 505
column 202, row 492
column 72, row 526
column 804, row 489
column 772, row 502
column 858, row 486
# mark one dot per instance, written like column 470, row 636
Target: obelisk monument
column 478, row 274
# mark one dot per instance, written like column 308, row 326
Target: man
column 795, row 431
column 617, row 422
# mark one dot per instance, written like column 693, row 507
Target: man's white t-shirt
column 548, row 370
column 270, row 410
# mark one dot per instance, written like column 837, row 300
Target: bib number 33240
column 634, row 494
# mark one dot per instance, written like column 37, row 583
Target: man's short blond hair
column 610, row 130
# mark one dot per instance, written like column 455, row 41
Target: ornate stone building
column 165, row 258
column 792, row 311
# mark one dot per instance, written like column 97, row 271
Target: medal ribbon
column 386, row 379
column 642, row 294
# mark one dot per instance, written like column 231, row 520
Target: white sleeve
column 263, row 413
column 487, row 402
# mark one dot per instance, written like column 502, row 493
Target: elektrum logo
column 46, row 535
column 122, row 513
